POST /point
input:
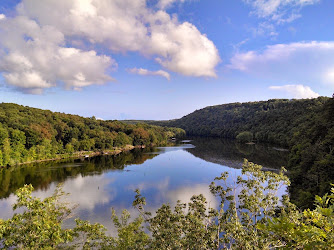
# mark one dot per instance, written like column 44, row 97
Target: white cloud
column 163, row 4
column 183, row 49
column 279, row 11
column 298, row 62
column 34, row 58
column 2, row 16
column 276, row 12
column 145, row 72
column 38, row 37
column 296, row 91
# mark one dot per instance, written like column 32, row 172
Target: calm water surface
column 163, row 175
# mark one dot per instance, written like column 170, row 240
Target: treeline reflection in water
column 42, row 174
column 231, row 153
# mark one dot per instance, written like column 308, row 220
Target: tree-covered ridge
column 311, row 161
column 275, row 120
column 306, row 127
column 29, row 134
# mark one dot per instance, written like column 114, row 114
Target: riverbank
column 82, row 154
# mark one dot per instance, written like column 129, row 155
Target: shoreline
column 81, row 154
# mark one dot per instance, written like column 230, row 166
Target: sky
column 162, row 59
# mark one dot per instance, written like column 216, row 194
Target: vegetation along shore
column 30, row 134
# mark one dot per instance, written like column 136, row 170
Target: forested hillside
column 274, row 121
column 306, row 127
column 311, row 161
column 29, row 134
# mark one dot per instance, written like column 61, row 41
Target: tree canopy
column 275, row 121
column 29, row 134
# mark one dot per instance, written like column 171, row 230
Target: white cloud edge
column 297, row 91
column 274, row 13
column 294, row 62
column 146, row 72
column 165, row 4
column 279, row 11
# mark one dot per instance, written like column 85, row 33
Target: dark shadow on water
column 231, row 153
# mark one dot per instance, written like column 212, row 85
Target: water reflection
column 41, row 175
column 231, row 153
column 164, row 175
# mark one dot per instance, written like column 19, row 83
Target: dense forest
column 311, row 161
column 275, row 121
column 305, row 127
column 30, row 134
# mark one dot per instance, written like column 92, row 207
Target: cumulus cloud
column 279, row 11
column 298, row 62
column 296, row 91
column 145, row 72
column 182, row 48
column 46, row 43
column 34, row 58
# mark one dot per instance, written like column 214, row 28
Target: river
column 163, row 174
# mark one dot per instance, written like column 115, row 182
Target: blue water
column 165, row 176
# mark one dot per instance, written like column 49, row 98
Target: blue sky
column 162, row 59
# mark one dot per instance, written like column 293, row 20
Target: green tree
column 39, row 226
column 3, row 134
column 69, row 148
column 18, row 140
column 121, row 140
column 6, row 152
column 1, row 158
column 140, row 136
column 245, row 136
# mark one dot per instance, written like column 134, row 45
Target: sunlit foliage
column 29, row 134
column 250, row 216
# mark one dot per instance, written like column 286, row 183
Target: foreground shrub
column 250, row 216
